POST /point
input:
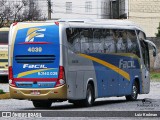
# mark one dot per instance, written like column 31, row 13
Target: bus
column 78, row 61
column 4, row 51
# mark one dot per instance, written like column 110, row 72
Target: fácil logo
column 34, row 66
column 34, row 32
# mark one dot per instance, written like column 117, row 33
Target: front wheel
column 42, row 103
column 134, row 93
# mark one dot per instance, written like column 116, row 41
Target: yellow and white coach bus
column 4, row 51
column 78, row 61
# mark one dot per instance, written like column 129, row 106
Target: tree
column 23, row 10
column 18, row 8
column 158, row 34
column 32, row 13
column 5, row 12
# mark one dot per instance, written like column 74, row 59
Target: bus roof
column 102, row 23
column 93, row 23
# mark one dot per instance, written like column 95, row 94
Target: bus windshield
column 4, row 37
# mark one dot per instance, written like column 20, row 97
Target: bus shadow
column 3, row 79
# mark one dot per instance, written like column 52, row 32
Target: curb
column 5, row 96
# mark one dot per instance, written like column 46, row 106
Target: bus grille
column 35, row 58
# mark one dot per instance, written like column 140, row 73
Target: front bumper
column 58, row 93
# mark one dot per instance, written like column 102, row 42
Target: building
column 80, row 9
column 145, row 13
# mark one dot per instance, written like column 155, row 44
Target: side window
column 109, row 42
column 121, row 41
column 95, row 40
column 103, row 41
column 86, row 41
column 132, row 43
column 73, row 38
column 127, row 42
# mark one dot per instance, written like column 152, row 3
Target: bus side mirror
column 154, row 53
column 153, row 46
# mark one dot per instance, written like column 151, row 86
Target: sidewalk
column 5, row 96
column 5, row 88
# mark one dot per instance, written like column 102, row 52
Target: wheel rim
column 134, row 91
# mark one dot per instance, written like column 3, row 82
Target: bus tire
column 42, row 103
column 90, row 97
column 134, row 93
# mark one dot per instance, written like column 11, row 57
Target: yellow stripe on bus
column 108, row 65
column 31, row 72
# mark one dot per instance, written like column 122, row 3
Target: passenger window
column 109, row 42
column 121, row 43
column 73, row 39
column 86, row 41
column 127, row 42
column 132, row 44
column 95, row 40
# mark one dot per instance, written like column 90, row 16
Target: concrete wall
column 145, row 13
column 155, row 61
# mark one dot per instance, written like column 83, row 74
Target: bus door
column 145, row 70
column 145, row 67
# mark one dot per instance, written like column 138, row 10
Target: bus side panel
column 80, row 72
column 107, row 81
column 90, row 76
column 71, row 83
column 131, row 66
column 114, row 73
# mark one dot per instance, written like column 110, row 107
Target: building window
column 88, row 6
column 104, row 8
column 68, row 7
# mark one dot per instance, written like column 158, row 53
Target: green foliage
column 155, row 75
column 1, row 91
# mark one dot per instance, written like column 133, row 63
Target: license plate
column 35, row 92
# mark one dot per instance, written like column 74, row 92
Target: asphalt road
column 102, row 104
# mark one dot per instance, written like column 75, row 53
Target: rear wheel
column 134, row 93
column 42, row 103
column 89, row 96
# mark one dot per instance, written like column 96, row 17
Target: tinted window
column 95, row 40
column 4, row 37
